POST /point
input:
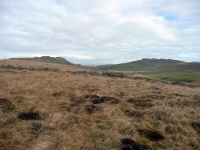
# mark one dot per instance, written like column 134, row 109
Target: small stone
column 197, row 96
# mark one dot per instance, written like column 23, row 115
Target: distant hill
column 58, row 60
column 154, row 65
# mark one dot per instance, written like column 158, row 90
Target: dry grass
column 67, row 118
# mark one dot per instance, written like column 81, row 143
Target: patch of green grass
column 174, row 76
column 160, row 68
column 162, row 145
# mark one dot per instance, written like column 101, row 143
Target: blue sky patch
column 171, row 17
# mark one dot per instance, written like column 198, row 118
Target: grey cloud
column 100, row 32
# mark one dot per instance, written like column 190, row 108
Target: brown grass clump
column 37, row 128
column 141, row 103
column 75, row 108
column 131, row 113
column 6, row 105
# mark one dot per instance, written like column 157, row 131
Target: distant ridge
column 153, row 64
column 50, row 59
column 158, row 60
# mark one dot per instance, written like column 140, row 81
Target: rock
column 87, row 72
column 197, row 96
column 177, row 83
column 7, row 66
column 164, row 78
column 114, row 74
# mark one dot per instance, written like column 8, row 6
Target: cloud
column 100, row 32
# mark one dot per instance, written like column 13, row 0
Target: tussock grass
column 75, row 111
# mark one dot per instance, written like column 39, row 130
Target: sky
column 102, row 31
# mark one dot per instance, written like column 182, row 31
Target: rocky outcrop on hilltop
column 58, row 60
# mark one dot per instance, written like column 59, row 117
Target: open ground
column 46, row 106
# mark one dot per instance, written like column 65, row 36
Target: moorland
column 52, row 106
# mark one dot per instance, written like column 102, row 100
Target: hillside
column 154, row 65
column 161, row 68
column 58, row 60
column 65, row 107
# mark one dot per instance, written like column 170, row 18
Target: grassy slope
column 161, row 69
column 63, row 126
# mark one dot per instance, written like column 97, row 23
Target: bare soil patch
column 146, row 100
column 105, row 99
column 129, row 144
column 196, row 126
column 95, row 99
column 91, row 109
column 29, row 116
column 152, row 135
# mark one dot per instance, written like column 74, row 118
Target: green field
column 172, row 75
